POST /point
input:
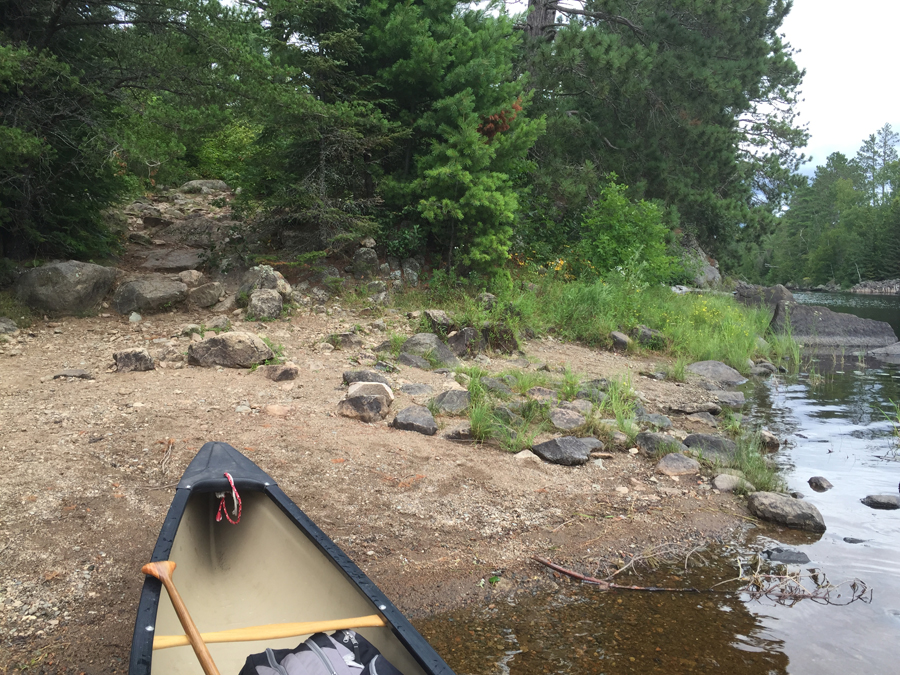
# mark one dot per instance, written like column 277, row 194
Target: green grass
column 751, row 460
column 11, row 308
column 525, row 380
column 569, row 385
column 277, row 351
column 677, row 371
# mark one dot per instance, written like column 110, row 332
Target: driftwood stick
column 607, row 585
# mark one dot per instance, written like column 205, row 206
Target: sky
column 850, row 53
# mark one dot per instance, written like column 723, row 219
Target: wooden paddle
column 162, row 570
column 272, row 631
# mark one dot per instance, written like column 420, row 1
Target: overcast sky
column 850, row 53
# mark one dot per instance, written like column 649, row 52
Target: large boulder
column 422, row 344
column 206, row 295
column 717, row 372
column 65, row 287
column 262, row 277
column 567, row 450
column 231, row 350
column 778, row 508
column 174, row 260
column 365, row 263
column 416, row 418
column 762, row 296
column 265, row 303
column 152, row 292
column 815, row 326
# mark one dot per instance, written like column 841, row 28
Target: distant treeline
column 588, row 136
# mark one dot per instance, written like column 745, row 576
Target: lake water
column 835, row 416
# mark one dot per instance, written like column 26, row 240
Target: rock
column 281, row 372
column 782, row 509
column 376, row 287
column 190, row 278
column 151, row 292
column 499, row 337
column 262, row 277
column 786, row 556
column 231, row 350
column 265, row 303
column 703, row 418
column 567, row 450
column 8, row 326
column 565, row 420
column 727, row 483
column 769, row 440
column 620, row 341
column 364, row 408
column 543, row 395
column 466, row 342
column 64, row 287
column 854, row 540
column 276, row 410
column 581, row 406
column 655, row 420
column 463, row 432
column 174, row 260
column 814, row 326
column 365, row 263
column 203, row 186
column 651, row 443
column 487, row 300
column 730, row 399
column 439, row 321
column 507, row 416
column 593, row 444
column 820, row 484
column 527, row 456
column 411, row 271
column 413, row 361
column 351, row 376
column 423, row 344
column 886, row 502
column 711, row 447
column 82, row 374
column 225, row 306
column 649, row 337
column 367, row 242
column 452, row 402
column 495, row 386
column 761, row 296
column 206, row 295
column 717, row 372
column 415, row 389
column 134, row 359
column 416, row 418
column 689, row 409
column 676, row 464
column 370, row 389
column 345, row 340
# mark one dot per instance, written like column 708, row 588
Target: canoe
column 275, row 566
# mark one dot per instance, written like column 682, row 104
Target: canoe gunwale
column 256, row 480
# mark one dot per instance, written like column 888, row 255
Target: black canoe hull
column 186, row 534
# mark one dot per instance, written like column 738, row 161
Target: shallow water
column 835, row 416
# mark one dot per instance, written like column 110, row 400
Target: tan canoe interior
column 263, row 570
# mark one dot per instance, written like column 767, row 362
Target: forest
column 582, row 135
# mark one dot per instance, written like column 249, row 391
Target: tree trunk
column 541, row 16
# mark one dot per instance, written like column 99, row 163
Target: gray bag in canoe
column 343, row 653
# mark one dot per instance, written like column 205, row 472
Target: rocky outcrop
column 886, row 287
column 173, row 260
column 762, row 296
column 65, row 287
column 815, row 326
column 230, row 350
column 778, row 508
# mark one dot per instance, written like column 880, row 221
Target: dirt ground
column 84, row 486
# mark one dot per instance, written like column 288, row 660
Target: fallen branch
column 608, row 585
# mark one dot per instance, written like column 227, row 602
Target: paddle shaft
column 271, row 631
column 163, row 571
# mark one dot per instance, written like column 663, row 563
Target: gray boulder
column 676, row 464
column 265, row 303
column 793, row 513
column 820, row 483
column 416, row 389
column 762, row 296
column 416, row 418
column 421, row 344
column 280, row 372
column 152, row 292
column 466, row 342
column 730, row 399
column 206, row 295
column 413, row 361
column 174, row 260
column 651, row 443
column 717, row 372
column 565, row 420
column 452, row 402
column 8, row 326
column 411, row 270
column 886, row 502
column 230, row 350
column 365, row 263
column 351, row 376
column 495, row 386
column 815, row 326
column 65, row 287
column 262, row 277
column 134, row 359
column 620, row 341
column 439, row 321
column 712, row 447
column 364, row 408
column 204, row 186
column 655, row 420
column 726, row 482
column 567, row 450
